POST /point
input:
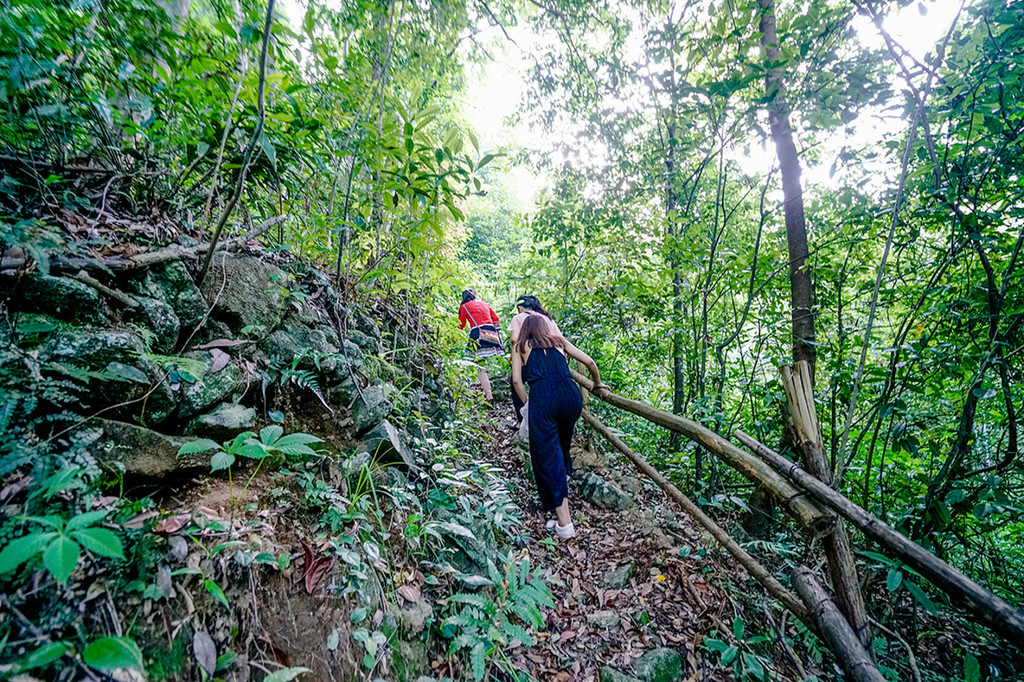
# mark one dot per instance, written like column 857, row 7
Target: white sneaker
column 565, row 532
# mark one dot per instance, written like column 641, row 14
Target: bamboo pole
column 753, row 567
column 795, row 501
column 842, row 568
column 841, row 638
column 989, row 608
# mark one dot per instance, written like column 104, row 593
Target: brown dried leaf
column 171, row 524
column 221, row 343
column 220, row 360
column 409, row 593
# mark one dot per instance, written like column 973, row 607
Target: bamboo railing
column 811, row 501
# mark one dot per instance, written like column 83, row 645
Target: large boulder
column 212, row 387
column 59, row 297
column 245, row 292
column 136, row 451
column 172, row 284
column 292, row 339
column 371, row 408
column 131, row 380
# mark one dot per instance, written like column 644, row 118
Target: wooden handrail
column 796, row 502
column 988, row 607
column 754, row 568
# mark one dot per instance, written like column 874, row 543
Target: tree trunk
column 789, row 164
column 852, row 655
column 841, row 567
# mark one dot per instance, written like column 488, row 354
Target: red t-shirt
column 480, row 312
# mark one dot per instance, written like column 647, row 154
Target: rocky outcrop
column 605, row 494
column 245, row 292
column 136, row 451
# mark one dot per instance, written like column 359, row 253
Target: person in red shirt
column 484, row 341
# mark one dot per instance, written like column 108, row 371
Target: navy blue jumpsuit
column 555, row 406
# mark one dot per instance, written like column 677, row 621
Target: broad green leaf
column 270, row 434
column 22, row 549
column 61, row 557
column 221, row 460
column 85, row 520
column 113, row 653
column 218, row 594
column 922, row 598
column 894, row 579
column 358, row 615
column 44, row 655
column 972, row 669
column 100, row 541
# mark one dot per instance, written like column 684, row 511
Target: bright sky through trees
column 495, row 90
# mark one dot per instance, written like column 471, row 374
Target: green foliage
column 742, row 657
column 484, row 623
column 247, row 444
column 60, row 541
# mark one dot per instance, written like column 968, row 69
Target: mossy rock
column 60, row 297
column 246, row 292
column 136, row 451
column 659, row 665
column 223, row 422
column 212, row 387
column 120, row 355
column 172, row 284
column 159, row 318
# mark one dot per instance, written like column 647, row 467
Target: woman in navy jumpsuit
column 555, row 404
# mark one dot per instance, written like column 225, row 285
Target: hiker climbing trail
column 636, row 590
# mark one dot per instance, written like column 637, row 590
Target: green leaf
column 922, row 598
column 61, row 557
column 985, row 393
column 196, row 446
column 737, row 627
column 44, row 655
column 268, row 148
column 113, row 653
column 270, row 434
column 22, row 549
column 221, row 460
column 358, row 615
column 218, row 594
column 972, row 670
column 894, row 579
column 100, row 541
column 85, row 520
column 118, row 371
column 285, row 675
column 478, row 658
column 729, row 654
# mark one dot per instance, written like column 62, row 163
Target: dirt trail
column 672, row 598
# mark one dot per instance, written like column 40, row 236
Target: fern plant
column 484, row 623
column 282, row 373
